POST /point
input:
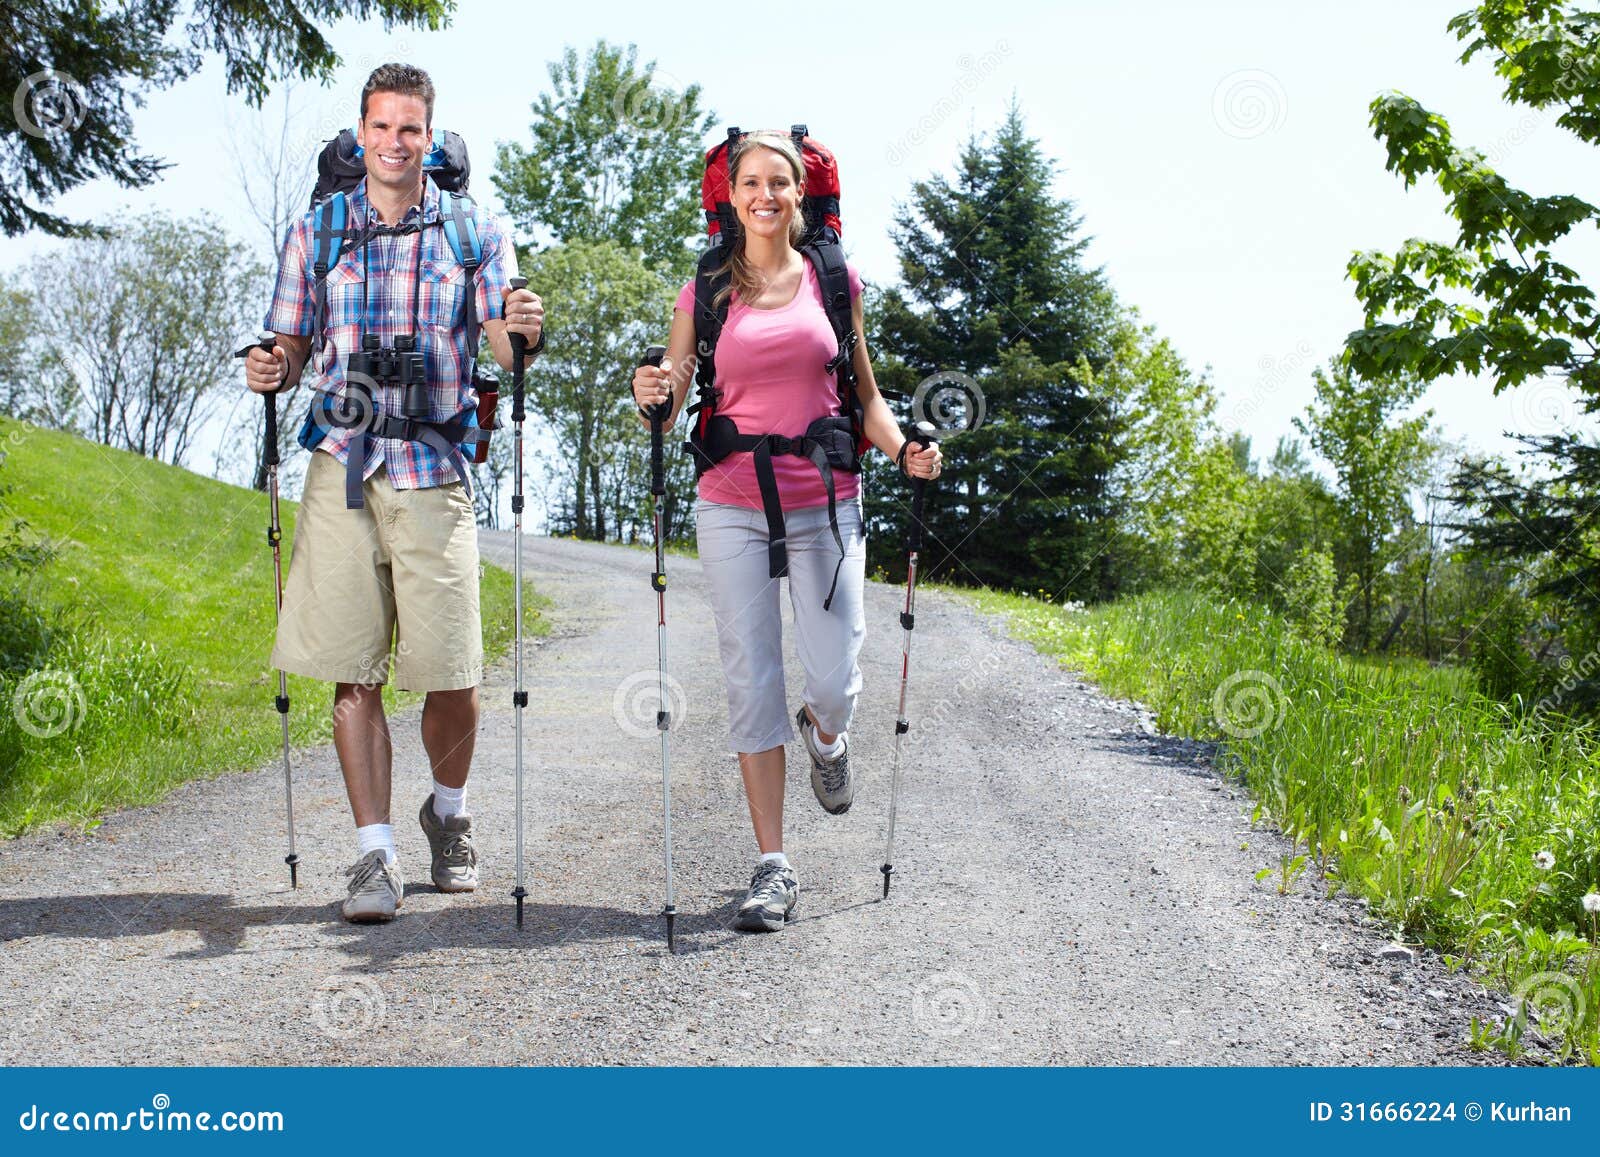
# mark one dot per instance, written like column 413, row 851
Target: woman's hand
column 922, row 461
column 652, row 385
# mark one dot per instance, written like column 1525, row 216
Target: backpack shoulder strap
column 709, row 316
column 461, row 228
column 461, row 232
column 833, row 278
column 330, row 226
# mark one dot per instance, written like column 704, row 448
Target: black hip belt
column 444, row 438
column 828, row 444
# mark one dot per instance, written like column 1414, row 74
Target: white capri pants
column 733, row 553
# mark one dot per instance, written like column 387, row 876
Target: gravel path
column 1072, row 890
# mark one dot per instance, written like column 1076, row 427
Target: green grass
column 163, row 584
column 1393, row 779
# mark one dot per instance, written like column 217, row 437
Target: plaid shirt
column 390, row 274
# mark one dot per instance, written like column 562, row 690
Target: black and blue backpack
column 340, row 168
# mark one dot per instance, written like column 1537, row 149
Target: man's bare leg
column 361, row 737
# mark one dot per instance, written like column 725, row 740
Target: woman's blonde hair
column 741, row 276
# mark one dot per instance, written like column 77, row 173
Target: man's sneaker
column 830, row 778
column 770, row 901
column 375, row 889
column 455, row 860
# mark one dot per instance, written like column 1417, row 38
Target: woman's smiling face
column 765, row 195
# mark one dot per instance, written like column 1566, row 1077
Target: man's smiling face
column 394, row 135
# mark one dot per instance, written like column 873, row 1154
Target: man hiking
column 385, row 545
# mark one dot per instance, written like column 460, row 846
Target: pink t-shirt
column 771, row 369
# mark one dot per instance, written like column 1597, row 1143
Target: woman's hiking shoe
column 770, row 901
column 830, row 778
column 455, row 860
column 375, row 889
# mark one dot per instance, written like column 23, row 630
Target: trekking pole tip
column 519, row 893
column 671, row 914
column 888, row 874
column 294, row 869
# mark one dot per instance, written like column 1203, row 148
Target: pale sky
column 1219, row 153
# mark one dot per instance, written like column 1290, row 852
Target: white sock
column 448, row 801
column 775, row 858
column 830, row 750
column 373, row 837
column 825, row 750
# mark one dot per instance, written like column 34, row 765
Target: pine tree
column 994, row 287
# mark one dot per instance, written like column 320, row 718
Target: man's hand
column 524, row 314
column 266, row 372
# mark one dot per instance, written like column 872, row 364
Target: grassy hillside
column 161, row 599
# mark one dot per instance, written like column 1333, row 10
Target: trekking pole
column 921, row 436
column 519, row 697
column 658, row 579
column 269, row 342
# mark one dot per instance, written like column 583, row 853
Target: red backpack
column 821, row 202
column 830, row 443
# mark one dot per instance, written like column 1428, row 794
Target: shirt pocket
column 345, row 283
column 443, row 295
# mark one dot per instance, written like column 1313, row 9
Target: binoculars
column 401, row 364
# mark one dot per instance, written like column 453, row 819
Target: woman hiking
column 772, row 378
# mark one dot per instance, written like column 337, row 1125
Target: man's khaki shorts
column 403, row 568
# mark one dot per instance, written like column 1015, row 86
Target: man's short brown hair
column 406, row 79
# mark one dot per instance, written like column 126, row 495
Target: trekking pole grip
column 519, row 355
column 921, row 435
column 269, row 341
column 653, row 356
